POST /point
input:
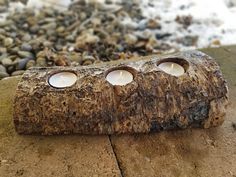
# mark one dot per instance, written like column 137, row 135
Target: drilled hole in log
column 173, row 66
column 62, row 79
column 120, row 75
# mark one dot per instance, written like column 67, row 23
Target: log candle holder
column 151, row 99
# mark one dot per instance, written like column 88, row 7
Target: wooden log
column 154, row 101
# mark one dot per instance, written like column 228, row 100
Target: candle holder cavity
column 146, row 94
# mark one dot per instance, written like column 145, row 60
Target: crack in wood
column 116, row 157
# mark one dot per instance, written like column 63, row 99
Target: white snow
column 212, row 19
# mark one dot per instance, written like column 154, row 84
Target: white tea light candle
column 119, row 77
column 172, row 68
column 62, row 79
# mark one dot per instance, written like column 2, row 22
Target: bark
column 154, row 101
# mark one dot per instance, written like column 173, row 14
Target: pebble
column 3, row 50
column 6, row 62
column 25, row 54
column 2, row 68
column 84, row 33
column 30, row 64
column 26, row 37
column 153, row 24
column 184, row 20
column 3, row 75
column 76, row 58
column 86, row 38
column 60, row 62
column 131, row 39
column 88, row 60
column 2, row 9
column 142, row 24
column 216, row 42
column 34, row 29
column 47, row 44
column 190, row 40
column 60, row 29
column 16, row 73
column 26, row 47
column 2, row 31
column 49, row 26
column 41, row 62
column 8, row 42
column 11, row 69
column 21, row 64
column 162, row 35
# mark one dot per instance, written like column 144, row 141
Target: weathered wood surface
column 192, row 152
column 154, row 101
column 195, row 152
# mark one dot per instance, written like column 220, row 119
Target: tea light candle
column 119, row 77
column 62, row 79
column 172, row 68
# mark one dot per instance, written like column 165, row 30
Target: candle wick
column 121, row 73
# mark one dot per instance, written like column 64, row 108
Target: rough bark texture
column 154, row 101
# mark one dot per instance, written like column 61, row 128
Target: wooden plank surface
column 193, row 152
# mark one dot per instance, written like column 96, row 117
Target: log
column 153, row 101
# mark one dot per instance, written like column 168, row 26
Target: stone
column 153, row 24
column 189, row 40
column 60, row 29
column 130, row 39
column 185, row 20
column 142, row 24
column 216, row 42
column 61, row 62
column 2, row 68
column 6, row 62
column 40, row 61
column 26, row 47
column 25, row 54
column 8, row 42
column 87, row 62
column 76, row 58
column 34, row 29
column 86, row 38
column 49, row 26
column 11, row 68
column 16, row 73
column 30, row 64
column 3, row 50
column 3, row 74
column 122, row 32
column 21, row 64
column 26, row 37
column 2, row 9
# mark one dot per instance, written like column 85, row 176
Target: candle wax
column 172, row 68
column 119, row 77
column 62, row 79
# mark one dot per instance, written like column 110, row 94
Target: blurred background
column 64, row 32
